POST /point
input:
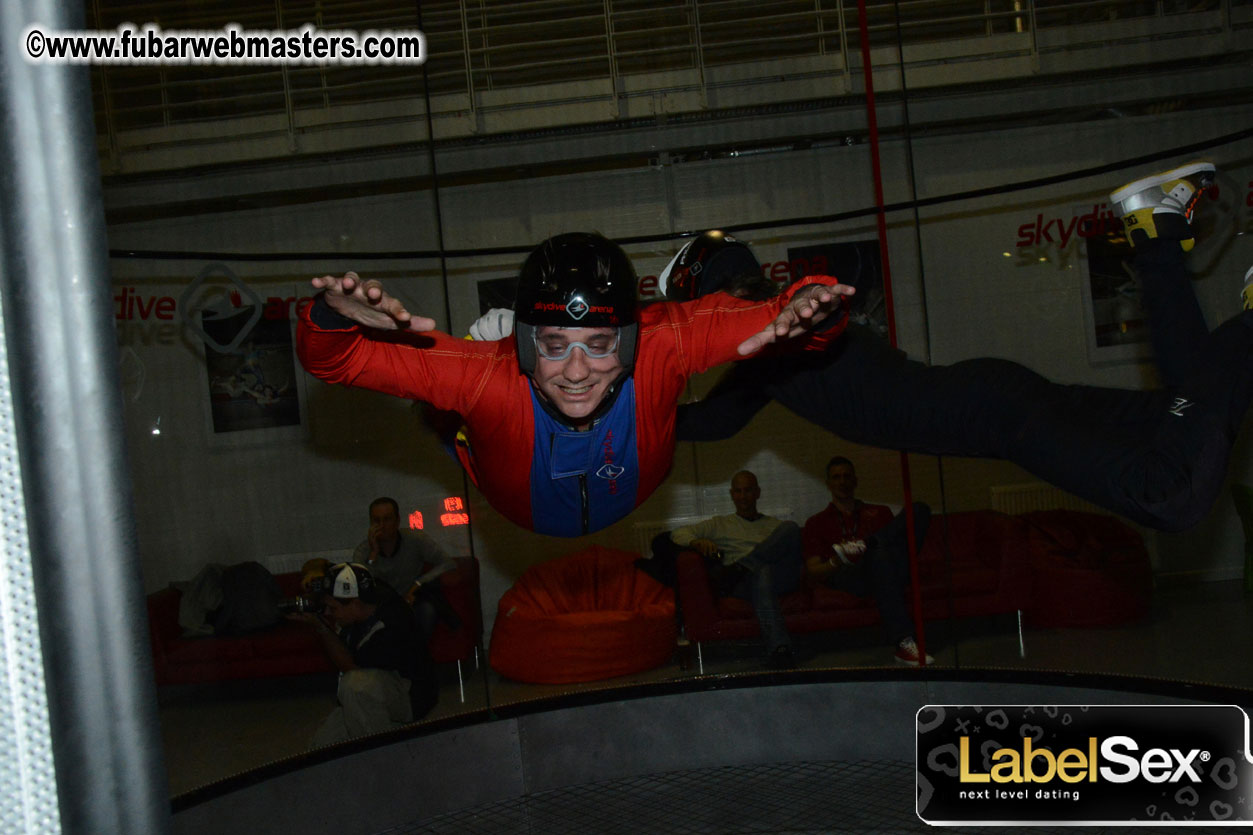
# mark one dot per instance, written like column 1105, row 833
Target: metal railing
column 487, row 54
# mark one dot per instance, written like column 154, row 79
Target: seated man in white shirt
column 410, row 563
column 760, row 557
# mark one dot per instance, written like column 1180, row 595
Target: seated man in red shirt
column 860, row 548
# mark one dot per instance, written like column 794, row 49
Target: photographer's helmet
column 576, row 280
column 705, row 264
column 348, row 580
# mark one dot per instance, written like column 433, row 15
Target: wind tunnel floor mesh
column 774, row 798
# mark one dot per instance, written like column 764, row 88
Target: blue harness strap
column 604, row 458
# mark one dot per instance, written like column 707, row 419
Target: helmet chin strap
column 606, row 402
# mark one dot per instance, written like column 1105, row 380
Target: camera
column 299, row 604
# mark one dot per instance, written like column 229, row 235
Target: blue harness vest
column 584, row 481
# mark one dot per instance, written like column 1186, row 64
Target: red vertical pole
column 876, row 168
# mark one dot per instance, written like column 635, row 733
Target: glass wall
column 972, row 214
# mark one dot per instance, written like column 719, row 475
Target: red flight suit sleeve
column 707, row 331
column 448, row 373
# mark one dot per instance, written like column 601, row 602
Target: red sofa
column 1033, row 563
column 289, row 649
column 1087, row 569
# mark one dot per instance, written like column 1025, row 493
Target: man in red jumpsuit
column 571, row 422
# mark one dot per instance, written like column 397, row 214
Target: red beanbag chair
column 587, row 616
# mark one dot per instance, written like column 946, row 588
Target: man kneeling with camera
column 386, row 677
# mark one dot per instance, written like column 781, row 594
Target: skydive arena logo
column 576, row 309
column 1097, row 764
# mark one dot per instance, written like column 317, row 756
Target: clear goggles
column 556, row 345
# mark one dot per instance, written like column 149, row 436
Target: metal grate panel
column 28, row 787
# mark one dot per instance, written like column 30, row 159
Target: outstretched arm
column 356, row 334
column 807, row 308
column 366, row 303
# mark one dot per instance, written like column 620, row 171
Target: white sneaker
column 907, row 653
column 851, row 552
column 1162, row 204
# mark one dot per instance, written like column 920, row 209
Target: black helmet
column 705, row 264
column 576, row 280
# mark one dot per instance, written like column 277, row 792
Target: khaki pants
column 370, row 701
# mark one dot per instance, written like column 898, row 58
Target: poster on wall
column 254, row 386
column 1117, row 327
column 856, row 263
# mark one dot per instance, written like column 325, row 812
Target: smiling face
column 576, row 385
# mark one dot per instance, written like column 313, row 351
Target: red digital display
column 415, row 521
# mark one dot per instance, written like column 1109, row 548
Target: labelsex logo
column 1039, row 765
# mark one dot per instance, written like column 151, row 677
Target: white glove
column 850, row 552
column 495, row 324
